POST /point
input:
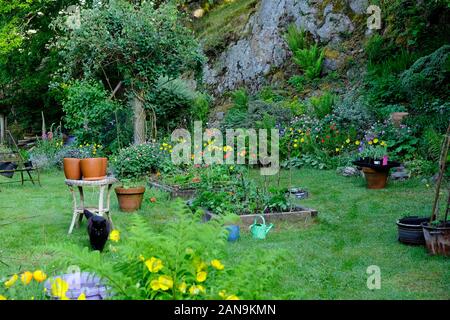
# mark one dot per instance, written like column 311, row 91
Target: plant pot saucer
column 94, row 178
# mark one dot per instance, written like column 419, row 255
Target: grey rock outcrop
column 251, row 58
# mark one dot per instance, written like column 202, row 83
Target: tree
column 25, row 61
column 131, row 45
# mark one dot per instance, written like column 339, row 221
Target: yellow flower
column 182, row 287
column 196, row 289
column 302, row 140
column 114, row 236
column 222, row 293
column 26, row 277
column 382, row 143
column 164, row 283
column 2, row 297
column 232, row 297
column 375, row 140
column 357, row 142
column 59, row 288
column 370, row 142
column 82, row 297
column 200, row 266
column 295, row 145
column 201, row 276
column 347, row 141
column 39, row 275
column 295, row 140
column 154, row 284
column 217, row 264
column 337, row 149
column 154, row 264
column 290, row 129
column 11, row 281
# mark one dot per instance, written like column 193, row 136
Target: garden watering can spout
column 268, row 228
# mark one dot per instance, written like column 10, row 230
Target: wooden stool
column 101, row 210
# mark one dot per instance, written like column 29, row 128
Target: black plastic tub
column 410, row 230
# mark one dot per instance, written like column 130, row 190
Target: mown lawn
column 326, row 258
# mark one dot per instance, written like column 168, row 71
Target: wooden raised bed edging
column 301, row 214
column 175, row 192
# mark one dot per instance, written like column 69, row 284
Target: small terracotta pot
column 375, row 179
column 130, row 199
column 72, row 169
column 93, row 169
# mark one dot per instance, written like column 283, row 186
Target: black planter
column 9, row 167
column 410, row 230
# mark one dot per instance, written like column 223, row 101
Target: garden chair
column 12, row 162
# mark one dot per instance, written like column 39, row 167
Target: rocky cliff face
column 249, row 60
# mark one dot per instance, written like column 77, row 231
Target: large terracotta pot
column 375, row 179
column 130, row 199
column 437, row 238
column 94, row 168
column 72, row 169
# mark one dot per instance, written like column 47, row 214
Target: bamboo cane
column 442, row 165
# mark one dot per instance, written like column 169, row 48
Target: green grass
column 223, row 24
column 328, row 257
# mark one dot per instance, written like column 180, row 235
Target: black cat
column 98, row 229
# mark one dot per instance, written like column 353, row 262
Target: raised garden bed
column 175, row 191
column 298, row 214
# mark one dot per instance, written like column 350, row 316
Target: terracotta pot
column 375, row 179
column 130, row 199
column 397, row 117
column 72, row 169
column 437, row 238
column 93, row 168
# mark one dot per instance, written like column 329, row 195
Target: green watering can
column 260, row 231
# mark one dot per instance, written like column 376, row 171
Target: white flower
column 31, row 31
column 40, row 14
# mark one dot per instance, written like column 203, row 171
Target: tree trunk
column 139, row 118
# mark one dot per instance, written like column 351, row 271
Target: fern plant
column 181, row 258
column 296, row 38
column 323, row 105
column 310, row 60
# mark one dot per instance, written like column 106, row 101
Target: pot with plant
column 94, row 167
column 132, row 166
column 374, row 161
column 437, row 231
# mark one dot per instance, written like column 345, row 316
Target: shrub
column 240, row 99
column 323, row 105
column 428, row 74
column 137, row 161
column 89, row 111
column 352, row 112
column 200, row 107
column 297, row 82
column 172, row 103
